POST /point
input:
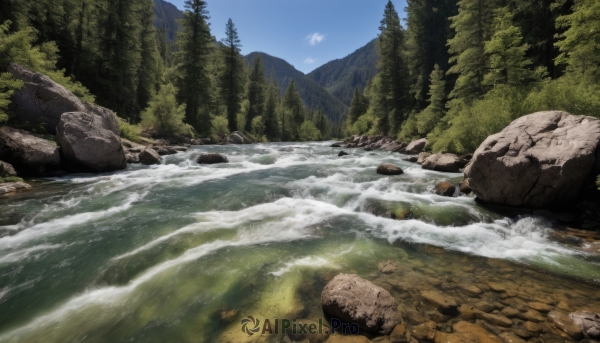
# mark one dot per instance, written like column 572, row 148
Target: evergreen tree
column 473, row 26
column 429, row 118
column 580, row 44
column 257, row 93
column 270, row 117
column 194, row 44
column 164, row 115
column 150, row 70
column 231, row 80
column 391, row 100
column 358, row 107
column 292, row 104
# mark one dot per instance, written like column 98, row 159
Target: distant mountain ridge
column 165, row 18
column 341, row 76
column 312, row 93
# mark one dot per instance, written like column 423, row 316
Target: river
column 181, row 252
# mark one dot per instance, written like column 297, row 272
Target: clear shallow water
column 156, row 254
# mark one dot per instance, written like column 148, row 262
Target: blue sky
column 306, row 33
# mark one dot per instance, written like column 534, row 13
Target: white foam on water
column 308, row 261
column 27, row 253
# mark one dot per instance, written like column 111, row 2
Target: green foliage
column 232, row 76
column 309, row 132
column 292, row 103
column 409, row 128
column 220, row 127
column 164, row 116
column 10, row 179
column 271, row 116
column 8, row 85
column 129, row 131
column 428, row 119
column 359, row 106
column 258, row 126
column 365, row 124
column 257, row 94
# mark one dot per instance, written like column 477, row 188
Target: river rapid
column 181, row 252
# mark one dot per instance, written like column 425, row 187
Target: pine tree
column 473, row 26
column 391, row 99
column 231, row 80
column 292, row 104
column 150, row 70
column 580, row 44
column 257, row 92
column 429, row 118
column 358, row 107
column 270, row 117
column 508, row 64
column 195, row 45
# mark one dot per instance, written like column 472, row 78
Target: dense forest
column 110, row 52
column 462, row 70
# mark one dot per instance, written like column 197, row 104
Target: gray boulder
column 444, row 162
column 355, row 300
column 149, row 157
column 237, row 137
column 588, row 322
column 86, row 145
column 10, row 187
column 445, row 188
column 389, row 169
column 132, row 158
column 44, row 101
column 6, row 169
column 211, row 159
column 416, row 147
column 539, row 160
column 29, row 155
column 422, row 157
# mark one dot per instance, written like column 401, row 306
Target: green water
column 156, row 254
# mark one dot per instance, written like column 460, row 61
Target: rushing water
column 181, row 252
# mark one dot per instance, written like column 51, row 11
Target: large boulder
column 87, row 146
column 389, row 169
column 30, row 155
column 444, row 162
column 6, row 169
column 416, row 147
column 43, row 101
column 211, row 159
column 540, row 160
column 588, row 322
column 149, row 156
column 237, row 137
column 355, row 300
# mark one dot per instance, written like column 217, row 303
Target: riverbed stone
column 495, row 319
column 389, row 169
column 211, row 159
column 9, row 187
column 588, row 322
column 356, row 300
column 510, row 337
column 416, row 147
column 87, row 146
column 497, row 287
column 482, row 334
column 510, row 312
column 532, row 327
column 425, row 332
column 149, row 157
column 532, row 316
column 304, row 335
column 445, row 188
column 347, row 339
column 398, row 335
column 440, row 301
column 457, row 337
column 539, row 160
column 485, row 306
column 540, row 307
column 519, row 331
column 563, row 322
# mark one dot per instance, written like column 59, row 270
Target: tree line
column 109, row 52
column 462, row 70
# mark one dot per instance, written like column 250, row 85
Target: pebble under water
column 182, row 253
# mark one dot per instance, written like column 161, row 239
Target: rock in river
column 211, row 159
column 86, row 145
column 6, row 169
column 445, row 189
column 355, row 300
column 416, row 147
column 237, row 137
column 389, row 169
column 149, row 156
column 444, row 162
column 30, row 155
column 539, row 160
column 588, row 322
column 343, row 153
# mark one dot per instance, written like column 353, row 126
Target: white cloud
column 315, row 38
column 309, row 60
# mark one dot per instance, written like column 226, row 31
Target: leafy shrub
column 309, row 132
column 8, row 85
column 220, row 127
column 164, row 116
column 129, row 131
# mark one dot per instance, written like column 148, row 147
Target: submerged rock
column 44, row 101
column 563, row 322
column 464, row 187
column 445, row 188
column 539, row 160
column 86, row 145
column 389, row 169
column 343, row 153
column 440, row 301
column 237, row 137
column 289, row 149
column 355, row 300
column 149, row 157
column 211, row 159
column 588, row 322
column 412, row 159
column 28, row 154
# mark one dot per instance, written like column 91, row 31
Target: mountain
column 313, row 94
column 165, row 17
column 341, row 76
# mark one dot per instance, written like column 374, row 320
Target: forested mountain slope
column 341, row 76
column 313, row 94
column 165, row 18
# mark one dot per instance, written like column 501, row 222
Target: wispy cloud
column 309, row 60
column 315, row 38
